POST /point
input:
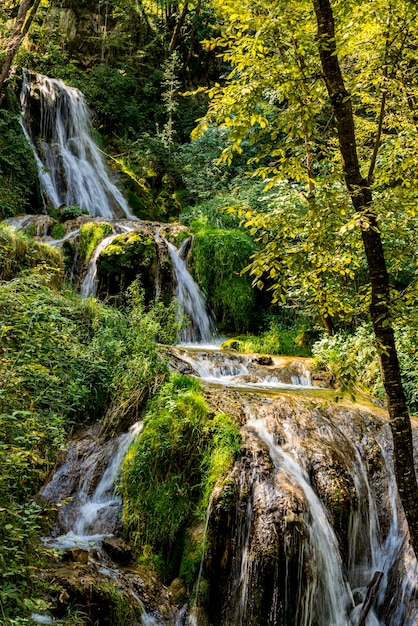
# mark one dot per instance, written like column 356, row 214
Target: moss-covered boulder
column 129, row 256
column 229, row 294
column 90, row 235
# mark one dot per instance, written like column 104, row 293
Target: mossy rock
column 129, row 256
column 232, row 344
column 90, row 236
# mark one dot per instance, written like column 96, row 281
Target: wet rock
column 178, row 592
column 118, row 550
column 76, row 554
column 263, row 359
column 246, row 378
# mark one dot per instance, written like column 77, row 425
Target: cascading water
column 72, row 170
column 191, row 302
column 92, row 512
column 328, row 598
column 238, row 370
column 316, row 537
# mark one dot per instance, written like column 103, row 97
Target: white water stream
column 240, row 371
column 96, row 511
column 72, row 170
column 191, row 301
column 328, row 583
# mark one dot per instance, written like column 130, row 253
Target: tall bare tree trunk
column 361, row 196
column 25, row 15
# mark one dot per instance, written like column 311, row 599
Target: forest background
column 261, row 187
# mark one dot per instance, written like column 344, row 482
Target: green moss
column 19, row 252
column 130, row 256
column 128, row 251
column 229, row 294
column 171, row 469
column 90, row 236
column 233, row 344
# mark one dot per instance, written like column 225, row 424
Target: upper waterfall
column 72, row 170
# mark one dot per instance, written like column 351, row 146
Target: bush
column 171, row 468
column 353, row 361
column 20, row 252
column 278, row 339
column 19, row 185
column 229, row 294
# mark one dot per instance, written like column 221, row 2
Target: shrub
column 229, row 294
column 19, row 252
column 171, row 468
column 19, row 185
column 352, row 360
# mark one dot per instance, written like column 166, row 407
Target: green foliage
column 58, row 231
column 20, row 553
column 56, row 364
column 114, row 95
column 46, row 362
column 19, row 252
column 71, row 212
column 90, row 236
column 63, row 362
column 170, row 470
column 353, row 361
column 229, row 294
column 19, row 187
column 278, row 339
column 211, row 214
column 144, row 367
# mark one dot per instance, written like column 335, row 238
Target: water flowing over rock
column 87, row 479
column 191, row 301
column 72, row 170
column 89, row 284
column 230, row 368
column 307, row 519
column 305, row 530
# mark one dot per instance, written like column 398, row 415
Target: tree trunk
column 361, row 197
column 25, row 15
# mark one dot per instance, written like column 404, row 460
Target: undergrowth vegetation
column 19, row 187
column 279, row 338
column 229, row 294
column 170, row 470
column 63, row 361
column 353, row 361
column 19, row 252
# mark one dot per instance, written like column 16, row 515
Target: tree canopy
column 327, row 93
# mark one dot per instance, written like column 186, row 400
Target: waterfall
column 191, row 301
column 242, row 371
column 91, row 515
column 328, row 583
column 72, row 170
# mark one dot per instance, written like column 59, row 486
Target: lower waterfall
column 88, row 478
column 191, row 302
column 307, row 529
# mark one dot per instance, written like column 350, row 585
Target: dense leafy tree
column 25, row 14
column 317, row 86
